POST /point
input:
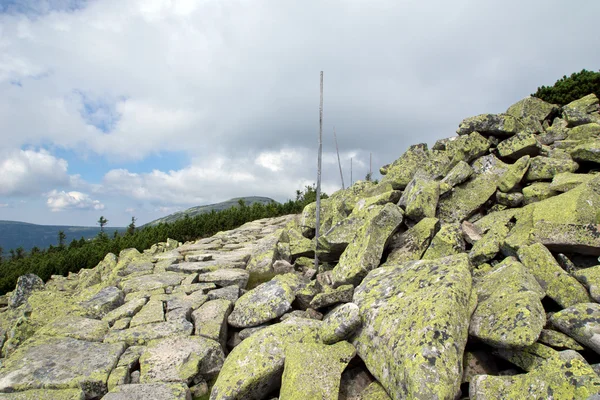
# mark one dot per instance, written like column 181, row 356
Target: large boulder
column 415, row 326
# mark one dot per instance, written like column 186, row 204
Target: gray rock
column 225, row 277
column 59, row 363
column 210, row 320
column 142, row 334
column 180, row 359
column 340, row 323
column 154, row 391
column 231, row 293
column 415, row 326
column 104, row 301
column 26, row 284
column 581, row 322
column 129, row 309
column 264, row 303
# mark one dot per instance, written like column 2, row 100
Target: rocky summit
column 469, row 272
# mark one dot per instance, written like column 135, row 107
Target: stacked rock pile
column 470, row 271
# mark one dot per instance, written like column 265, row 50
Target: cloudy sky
column 139, row 108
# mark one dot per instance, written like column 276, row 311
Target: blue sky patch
column 40, row 7
column 99, row 112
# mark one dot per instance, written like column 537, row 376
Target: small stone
column 26, row 284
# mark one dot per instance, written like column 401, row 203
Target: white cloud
column 27, row 172
column 60, row 201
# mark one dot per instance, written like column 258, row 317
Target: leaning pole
column 318, row 211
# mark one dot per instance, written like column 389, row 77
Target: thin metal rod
column 318, row 211
column 338, row 155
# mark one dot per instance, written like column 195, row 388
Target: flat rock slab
column 210, row 320
column 75, row 327
column 152, row 312
column 558, row 284
column 127, row 310
column 154, row 391
column 314, row 371
column 226, row 277
column 147, row 283
column 565, row 375
column 254, row 367
column 104, row 301
column 60, row 363
column 590, row 277
column 180, row 359
column 265, row 302
column 415, row 326
column 39, row 394
column 142, row 334
column 581, row 322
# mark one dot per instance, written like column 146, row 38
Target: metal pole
column 318, row 211
column 338, row 155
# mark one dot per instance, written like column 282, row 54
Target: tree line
column 63, row 258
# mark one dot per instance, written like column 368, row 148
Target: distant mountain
column 14, row 234
column 192, row 212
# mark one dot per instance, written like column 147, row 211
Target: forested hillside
column 78, row 254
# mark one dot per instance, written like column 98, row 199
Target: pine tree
column 131, row 227
column 61, row 239
column 102, row 222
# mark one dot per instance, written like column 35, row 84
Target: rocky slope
column 470, row 271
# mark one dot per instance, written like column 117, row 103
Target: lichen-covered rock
column 582, row 111
column 509, row 274
column 468, row 197
column 491, row 124
column 508, row 319
column 142, row 334
column 488, row 246
column 415, row 326
column 509, row 199
column 558, row 340
column 264, row 254
column 374, row 392
column 265, row 302
column 364, row 253
column 330, row 296
column 60, row 363
column 532, row 107
column 151, row 313
column 76, row 327
column 180, row 359
column 458, row 174
column 541, row 168
column 313, row 371
column 340, row 323
column 467, row 147
column 129, row 309
column 26, row 284
column 538, row 191
column 590, row 277
column 584, row 132
column 514, row 174
column 226, row 277
column 586, row 151
column 420, row 198
column 104, row 301
column 527, row 358
column 254, row 367
column 581, row 322
column 210, row 320
column 154, row 391
column 447, row 241
column 151, row 282
column 559, row 285
column 37, row 394
column 567, row 180
column 410, row 245
column 547, row 381
column 519, row 145
column 578, row 238
column 431, row 162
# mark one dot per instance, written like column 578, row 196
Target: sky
column 122, row 108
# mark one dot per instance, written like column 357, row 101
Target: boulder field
column 470, row 271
